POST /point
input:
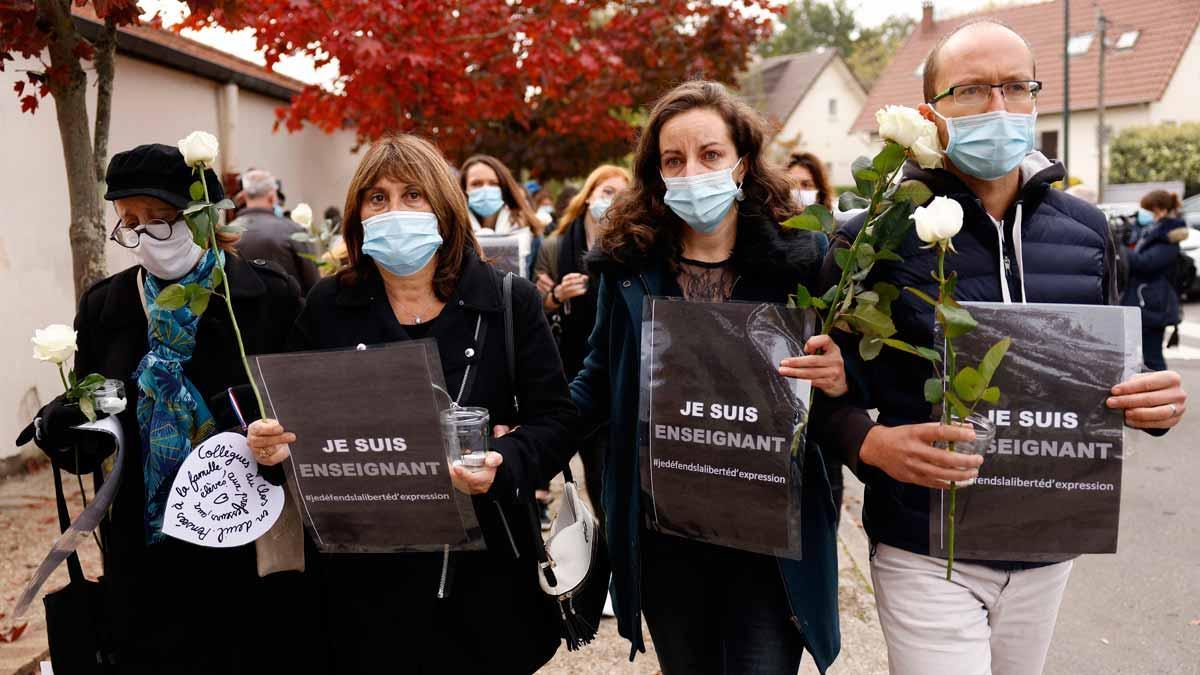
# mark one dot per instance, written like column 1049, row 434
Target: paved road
column 1138, row 612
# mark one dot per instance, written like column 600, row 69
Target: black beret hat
column 156, row 170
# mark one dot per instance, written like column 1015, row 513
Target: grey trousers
column 983, row 622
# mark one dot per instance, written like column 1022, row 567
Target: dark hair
column 931, row 61
column 512, row 193
column 565, row 195
column 414, row 160
column 1161, row 200
column 640, row 221
column 817, row 169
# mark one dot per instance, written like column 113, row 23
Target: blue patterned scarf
column 171, row 412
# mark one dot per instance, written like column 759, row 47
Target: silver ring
column 1174, row 409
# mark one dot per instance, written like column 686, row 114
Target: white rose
column 902, row 125
column 200, row 147
column 938, row 222
column 927, row 149
column 54, row 343
column 302, row 214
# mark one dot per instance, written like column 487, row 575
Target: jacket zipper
column 445, row 571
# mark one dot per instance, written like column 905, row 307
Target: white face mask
column 171, row 258
column 804, row 197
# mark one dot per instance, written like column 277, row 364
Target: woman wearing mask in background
column 498, row 206
column 543, row 203
column 701, row 221
column 1151, row 263
column 810, row 185
column 415, row 272
column 176, row 368
column 569, row 299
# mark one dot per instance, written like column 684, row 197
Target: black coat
column 381, row 612
column 160, row 597
column 1151, row 262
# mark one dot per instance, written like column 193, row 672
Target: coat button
column 627, row 284
column 461, row 303
column 259, row 261
column 469, row 352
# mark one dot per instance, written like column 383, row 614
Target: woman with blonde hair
column 415, row 272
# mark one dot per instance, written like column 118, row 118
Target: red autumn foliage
column 550, row 86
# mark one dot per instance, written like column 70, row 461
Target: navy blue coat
column 1150, row 265
column 1052, row 248
column 606, row 390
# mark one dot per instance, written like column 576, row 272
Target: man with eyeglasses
column 1021, row 241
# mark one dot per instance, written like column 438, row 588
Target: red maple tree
column 549, row 86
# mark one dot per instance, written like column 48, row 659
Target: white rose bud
column 54, row 343
column 200, row 147
column 302, row 214
column 927, row 149
column 900, row 124
column 938, row 222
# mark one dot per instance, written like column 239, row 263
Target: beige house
column 813, row 99
column 1152, row 69
column 166, row 86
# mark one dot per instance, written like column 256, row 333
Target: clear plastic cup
column 985, row 433
column 110, row 397
column 467, row 431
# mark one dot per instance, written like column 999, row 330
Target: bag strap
column 64, row 523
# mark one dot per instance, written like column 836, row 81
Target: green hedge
column 1159, row 153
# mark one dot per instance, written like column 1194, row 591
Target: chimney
column 927, row 16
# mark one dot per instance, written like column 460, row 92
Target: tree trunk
column 86, row 230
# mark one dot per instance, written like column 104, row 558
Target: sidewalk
column 28, row 525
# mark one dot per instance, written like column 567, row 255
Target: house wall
column 151, row 103
column 1084, row 160
column 1180, row 102
column 828, row 136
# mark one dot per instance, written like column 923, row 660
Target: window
column 833, row 107
column 1128, row 39
column 1048, row 144
column 1078, row 45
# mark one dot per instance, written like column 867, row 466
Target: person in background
column 158, row 593
column 569, row 299
column 268, row 236
column 415, row 273
column 1152, row 261
column 543, row 203
column 498, row 206
column 810, row 184
column 565, row 195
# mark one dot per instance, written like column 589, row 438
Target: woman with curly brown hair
column 700, row 221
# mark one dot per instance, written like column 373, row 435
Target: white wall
column 151, row 103
column 825, row 135
column 1180, row 102
column 1084, row 159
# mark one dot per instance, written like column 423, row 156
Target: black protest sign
column 718, row 422
column 504, row 252
column 369, row 467
column 1050, row 484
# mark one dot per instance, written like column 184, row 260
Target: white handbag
column 565, row 562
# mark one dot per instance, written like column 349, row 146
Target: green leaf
column 231, row 229
column 887, row 294
column 960, row 408
column 969, row 384
column 931, row 354
column 865, row 176
column 88, row 407
column 865, row 254
column 830, row 295
column 196, row 190
column 803, row 222
column 198, row 302
column 991, row 395
column 90, row 382
column 892, row 226
column 869, row 348
column 957, row 321
column 818, row 303
column 913, row 191
column 889, row 255
column 991, row 360
column 872, row 322
column 923, row 352
column 933, row 390
column 843, row 257
column 850, row 201
column 195, row 207
column 867, row 298
column 71, row 381
column 922, row 295
column 802, row 299
column 822, row 214
column 225, row 205
column 889, row 158
column 172, row 297
column 218, row 276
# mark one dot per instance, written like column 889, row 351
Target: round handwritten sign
column 218, row 499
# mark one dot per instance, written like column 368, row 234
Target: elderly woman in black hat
column 173, row 607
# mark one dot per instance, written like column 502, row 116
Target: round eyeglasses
column 130, row 237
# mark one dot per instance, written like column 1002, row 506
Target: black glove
column 222, row 410
column 70, row 449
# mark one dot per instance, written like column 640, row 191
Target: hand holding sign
column 218, row 498
column 269, row 441
column 823, row 366
column 1151, row 400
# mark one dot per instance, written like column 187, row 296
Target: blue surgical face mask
column 599, row 207
column 485, row 201
column 702, row 201
column 402, row 242
column 989, row 145
column 278, row 210
column 1144, row 217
